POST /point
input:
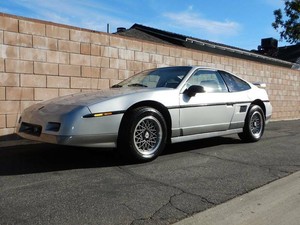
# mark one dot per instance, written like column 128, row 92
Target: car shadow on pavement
column 201, row 144
column 40, row 158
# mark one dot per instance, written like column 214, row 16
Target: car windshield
column 162, row 77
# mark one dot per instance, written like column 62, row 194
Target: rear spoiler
column 260, row 85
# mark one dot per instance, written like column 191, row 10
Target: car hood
column 112, row 99
column 90, row 98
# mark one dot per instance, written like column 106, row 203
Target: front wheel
column 254, row 125
column 144, row 134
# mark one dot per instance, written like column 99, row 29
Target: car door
column 208, row 111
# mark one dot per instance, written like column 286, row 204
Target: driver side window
column 211, row 81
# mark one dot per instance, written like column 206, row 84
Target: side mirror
column 193, row 90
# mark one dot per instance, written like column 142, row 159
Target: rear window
column 234, row 83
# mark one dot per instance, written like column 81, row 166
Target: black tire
column 254, row 125
column 143, row 135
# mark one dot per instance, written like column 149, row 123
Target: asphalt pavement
column 223, row 179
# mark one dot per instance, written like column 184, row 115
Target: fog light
column 53, row 126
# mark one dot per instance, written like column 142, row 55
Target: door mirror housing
column 193, row 90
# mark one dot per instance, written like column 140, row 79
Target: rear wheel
column 144, row 134
column 254, row 125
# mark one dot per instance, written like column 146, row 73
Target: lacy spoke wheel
column 147, row 135
column 143, row 134
column 254, row 125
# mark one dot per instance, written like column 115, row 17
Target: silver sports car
column 158, row 106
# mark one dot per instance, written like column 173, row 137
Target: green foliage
column 288, row 25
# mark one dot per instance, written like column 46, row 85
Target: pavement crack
column 130, row 209
column 170, row 205
column 206, row 200
column 265, row 167
column 163, row 184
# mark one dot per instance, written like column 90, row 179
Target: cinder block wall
column 41, row 60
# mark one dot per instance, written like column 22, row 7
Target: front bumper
column 95, row 141
column 69, row 127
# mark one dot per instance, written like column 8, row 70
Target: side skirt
column 205, row 135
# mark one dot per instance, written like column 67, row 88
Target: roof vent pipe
column 107, row 28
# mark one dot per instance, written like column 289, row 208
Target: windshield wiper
column 116, row 86
column 137, row 85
